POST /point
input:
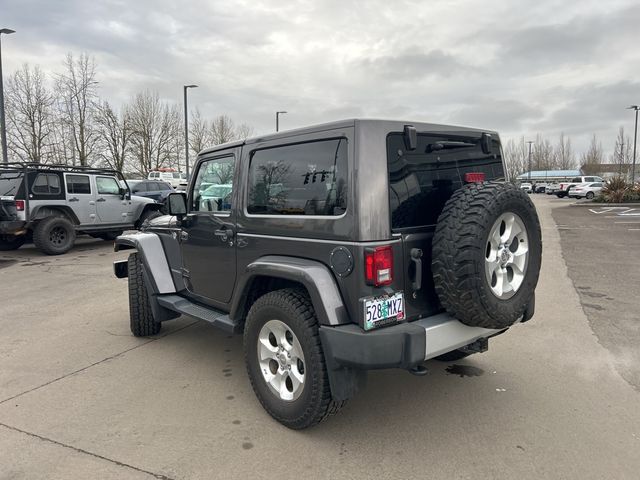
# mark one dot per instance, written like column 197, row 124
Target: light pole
column 635, row 137
column 530, row 143
column 186, row 128
column 3, row 125
column 278, row 119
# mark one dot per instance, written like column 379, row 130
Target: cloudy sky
column 516, row 66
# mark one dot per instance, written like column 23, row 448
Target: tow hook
column 418, row 370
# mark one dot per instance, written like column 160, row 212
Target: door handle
column 74, row 199
column 101, row 200
column 223, row 233
column 416, row 257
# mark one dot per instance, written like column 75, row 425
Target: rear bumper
column 401, row 346
column 8, row 227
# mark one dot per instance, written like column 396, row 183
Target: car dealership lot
column 80, row 397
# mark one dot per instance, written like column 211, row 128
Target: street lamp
column 635, row 137
column 530, row 143
column 278, row 119
column 3, row 125
column 186, row 128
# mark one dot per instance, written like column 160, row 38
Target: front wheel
column 284, row 359
column 590, row 195
column 141, row 318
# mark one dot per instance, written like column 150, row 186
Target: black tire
column 11, row 242
column 590, row 195
column 148, row 215
column 109, row 236
column 293, row 308
column 453, row 356
column 459, row 249
column 561, row 194
column 54, row 235
column 140, row 316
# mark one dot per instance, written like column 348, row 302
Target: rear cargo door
column 421, row 180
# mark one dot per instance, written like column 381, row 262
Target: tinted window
column 78, row 184
column 164, row 186
column 213, row 188
column 589, row 179
column 302, row 179
column 9, row 183
column 422, row 180
column 138, row 187
column 46, row 184
column 107, row 186
column 577, row 180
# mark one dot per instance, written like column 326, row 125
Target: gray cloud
column 517, row 67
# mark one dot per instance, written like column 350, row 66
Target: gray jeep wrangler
column 50, row 204
column 340, row 248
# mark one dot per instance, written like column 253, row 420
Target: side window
column 107, row 186
column 78, row 184
column 213, row 188
column 577, row 180
column 138, row 187
column 46, row 184
column 589, row 179
column 164, row 186
column 301, row 179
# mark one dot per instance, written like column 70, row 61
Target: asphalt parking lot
column 601, row 246
column 81, row 398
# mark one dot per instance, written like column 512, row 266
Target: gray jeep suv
column 52, row 203
column 340, row 248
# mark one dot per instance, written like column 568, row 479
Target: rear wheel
column 590, row 195
column 284, row 359
column 140, row 316
column 11, row 242
column 54, row 235
column 486, row 255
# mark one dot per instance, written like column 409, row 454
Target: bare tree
column 244, row 131
column 542, row 154
column 623, row 150
column 77, row 86
column 155, row 125
column 114, row 131
column 565, row 159
column 515, row 157
column 593, row 157
column 199, row 133
column 29, row 115
column 222, row 130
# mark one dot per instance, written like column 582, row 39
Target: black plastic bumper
column 399, row 346
column 11, row 226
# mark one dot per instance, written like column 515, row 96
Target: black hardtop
column 390, row 125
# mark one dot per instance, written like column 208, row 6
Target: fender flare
column 313, row 275
column 154, row 260
column 49, row 210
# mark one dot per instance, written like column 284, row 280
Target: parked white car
column 586, row 190
column 527, row 187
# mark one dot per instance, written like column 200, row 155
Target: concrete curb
column 591, row 204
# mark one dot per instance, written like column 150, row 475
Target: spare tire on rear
column 487, row 252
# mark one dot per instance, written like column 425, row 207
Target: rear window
column 9, row 183
column 422, row 180
column 301, row 179
column 46, row 184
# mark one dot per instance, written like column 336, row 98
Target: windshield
column 9, row 183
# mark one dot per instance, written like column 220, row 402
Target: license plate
column 379, row 311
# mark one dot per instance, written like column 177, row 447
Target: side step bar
column 208, row 314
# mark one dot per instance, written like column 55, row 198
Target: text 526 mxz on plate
column 340, row 248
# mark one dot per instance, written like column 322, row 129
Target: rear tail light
column 20, row 205
column 474, row 177
column 378, row 266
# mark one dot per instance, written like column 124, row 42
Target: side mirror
column 123, row 192
column 177, row 204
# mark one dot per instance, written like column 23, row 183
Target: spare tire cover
column 487, row 252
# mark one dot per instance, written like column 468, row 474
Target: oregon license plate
column 379, row 311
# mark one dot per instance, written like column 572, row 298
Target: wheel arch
column 41, row 212
column 273, row 272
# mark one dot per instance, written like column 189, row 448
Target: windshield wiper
column 434, row 147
